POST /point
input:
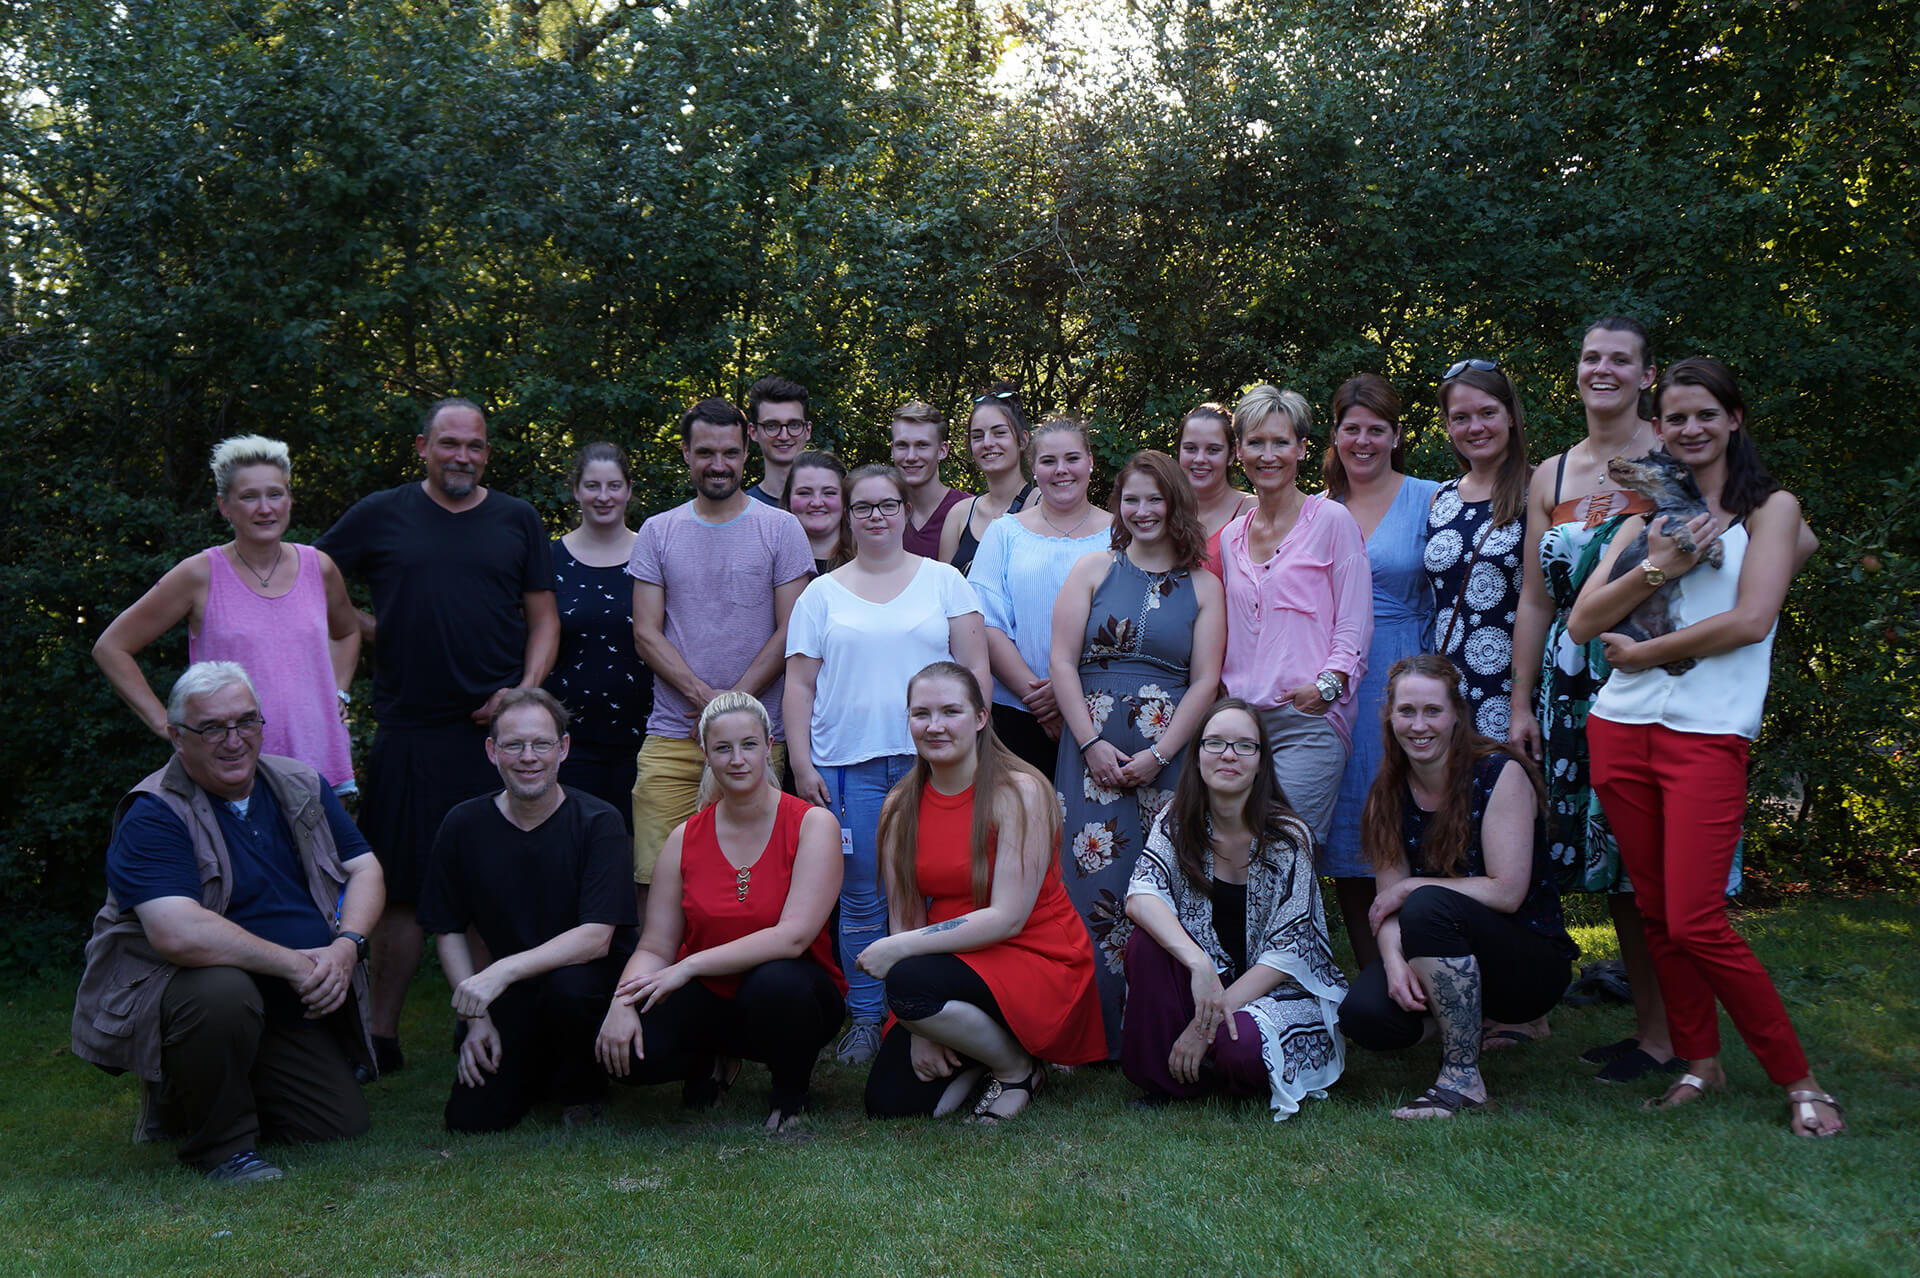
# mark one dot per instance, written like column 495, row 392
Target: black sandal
column 983, row 1108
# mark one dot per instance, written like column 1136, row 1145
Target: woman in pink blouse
column 1299, row 607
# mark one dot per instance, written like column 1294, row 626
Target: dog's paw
column 1679, row 667
column 1716, row 554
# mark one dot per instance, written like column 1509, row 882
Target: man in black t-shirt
column 462, row 583
column 542, row 874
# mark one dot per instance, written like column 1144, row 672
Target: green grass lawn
column 1563, row 1175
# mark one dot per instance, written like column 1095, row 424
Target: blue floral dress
column 1480, row 642
column 1133, row 671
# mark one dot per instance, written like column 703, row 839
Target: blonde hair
column 231, row 454
column 732, row 701
column 1265, row 399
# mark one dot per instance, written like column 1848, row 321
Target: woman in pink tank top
column 280, row 610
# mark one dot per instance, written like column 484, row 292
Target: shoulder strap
column 1559, row 474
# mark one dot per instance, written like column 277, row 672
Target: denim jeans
column 858, row 790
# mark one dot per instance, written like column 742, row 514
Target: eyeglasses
column 1477, row 365
column 782, row 428
column 981, row 399
column 1220, row 745
column 541, row 747
column 889, row 507
column 217, row 733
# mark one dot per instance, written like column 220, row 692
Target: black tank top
column 964, row 552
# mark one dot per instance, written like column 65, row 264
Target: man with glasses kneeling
column 225, row 967
column 542, row 874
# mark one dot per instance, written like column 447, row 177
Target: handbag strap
column 1465, row 577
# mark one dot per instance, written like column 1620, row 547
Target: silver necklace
column 1066, row 532
column 255, row 571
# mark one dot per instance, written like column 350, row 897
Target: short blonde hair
column 1264, row 400
column 230, row 455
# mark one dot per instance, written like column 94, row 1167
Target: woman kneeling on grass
column 1466, row 913
column 735, row 961
column 988, row 969
column 1226, row 891
column 1668, row 733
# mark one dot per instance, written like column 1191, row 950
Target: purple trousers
column 1159, row 1008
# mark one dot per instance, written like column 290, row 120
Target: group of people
column 956, row 786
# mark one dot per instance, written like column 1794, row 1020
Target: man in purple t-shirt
column 713, row 583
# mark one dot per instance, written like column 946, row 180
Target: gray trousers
column 1308, row 759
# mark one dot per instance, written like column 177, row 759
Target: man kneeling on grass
column 224, row 967
column 544, row 875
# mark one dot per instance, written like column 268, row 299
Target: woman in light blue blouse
column 1023, row 561
column 1363, row 470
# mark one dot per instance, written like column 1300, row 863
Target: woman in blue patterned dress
column 1138, row 637
column 1363, row 470
column 1476, row 534
column 599, row 676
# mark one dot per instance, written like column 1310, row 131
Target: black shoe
column 1634, row 1065
column 1150, row 1100
column 1607, row 1053
column 387, row 1054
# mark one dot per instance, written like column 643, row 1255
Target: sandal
column 984, row 1112
column 1671, row 1099
column 1494, row 1040
column 785, row 1110
column 707, row 1090
column 1607, row 1053
column 1437, row 1102
column 1802, row 1118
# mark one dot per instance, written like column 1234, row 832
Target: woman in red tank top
column 735, row 961
column 988, row 968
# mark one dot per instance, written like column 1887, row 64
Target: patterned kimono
column 1287, row 931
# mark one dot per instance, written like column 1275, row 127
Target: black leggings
column 547, row 1025
column 916, row 988
column 784, row 1012
column 1522, row 973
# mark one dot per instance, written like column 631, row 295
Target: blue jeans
column 858, row 790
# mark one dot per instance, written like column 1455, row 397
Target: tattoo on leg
column 1453, row 994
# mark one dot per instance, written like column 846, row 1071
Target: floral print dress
column 1133, row 671
column 1476, row 563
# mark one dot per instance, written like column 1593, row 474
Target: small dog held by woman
column 1669, row 484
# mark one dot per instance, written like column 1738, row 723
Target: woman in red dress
column 988, row 968
column 735, row 961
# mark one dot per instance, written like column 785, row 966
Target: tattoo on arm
column 946, row 926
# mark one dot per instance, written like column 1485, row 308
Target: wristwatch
column 359, row 944
column 1329, row 685
column 1654, row 576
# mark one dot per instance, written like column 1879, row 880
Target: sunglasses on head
column 983, row 398
column 1477, row 365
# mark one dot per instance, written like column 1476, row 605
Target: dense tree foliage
column 310, row 220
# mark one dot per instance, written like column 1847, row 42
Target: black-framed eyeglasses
column 1220, row 745
column 1477, row 365
column 987, row 395
column 782, row 428
column 217, row 733
column 888, row 506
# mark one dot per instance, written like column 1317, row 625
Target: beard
column 716, row 487
column 458, row 483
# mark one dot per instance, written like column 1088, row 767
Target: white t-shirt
column 868, row 652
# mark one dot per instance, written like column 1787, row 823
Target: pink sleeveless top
column 283, row 645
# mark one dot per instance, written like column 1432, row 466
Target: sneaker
column 244, row 1168
column 150, row 1128
column 582, row 1115
column 859, row 1045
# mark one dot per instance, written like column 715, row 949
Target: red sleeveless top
column 714, row 905
column 1043, row 977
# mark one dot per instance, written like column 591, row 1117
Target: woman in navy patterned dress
column 1476, row 538
column 599, row 676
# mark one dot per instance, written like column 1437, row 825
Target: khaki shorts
column 666, row 791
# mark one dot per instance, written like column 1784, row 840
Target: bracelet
column 346, row 698
column 1153, row 748
column 1089, row 745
